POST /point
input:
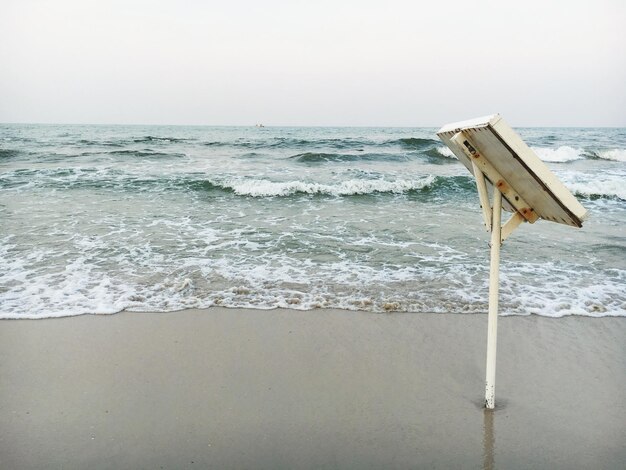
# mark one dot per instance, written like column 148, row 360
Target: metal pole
column 492, row 324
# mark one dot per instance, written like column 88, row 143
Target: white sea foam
column 559, row 155
column 264, row 188
column 609, row 188
column 612, row 185
column 254, row 278
column 618, row 155
column 75, row 291
column 558, row 292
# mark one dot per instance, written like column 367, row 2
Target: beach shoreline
column 238, row 388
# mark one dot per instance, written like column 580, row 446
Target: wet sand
column 234, row 388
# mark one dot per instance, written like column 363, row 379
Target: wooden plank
column 552, row 188
column 481, row 185
column 510, row 225
column 465, row 144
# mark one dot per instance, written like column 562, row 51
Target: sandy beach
column 228, row 388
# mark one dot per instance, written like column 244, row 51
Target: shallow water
column 97, row 219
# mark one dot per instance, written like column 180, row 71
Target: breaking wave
column 565, row 153
column 559, row 155
column 110, row 179
column 439, row 155
column 266, row 188
column 599, row 189
column 609, row 187
column 617, row 155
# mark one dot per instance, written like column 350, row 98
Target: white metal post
column 492, row 323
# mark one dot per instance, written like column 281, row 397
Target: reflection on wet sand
column 488, row 440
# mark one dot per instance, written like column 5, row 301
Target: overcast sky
column 361, row 63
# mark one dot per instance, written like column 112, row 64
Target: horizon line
column 291, row 125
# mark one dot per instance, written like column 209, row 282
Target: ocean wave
column 439, row 155
column 259, row 188
column 128, row 141
column 216, row 143
column 101, row 143
column 415, row 142
column 336, row 143
column 314, row 157
column 436, row 154
column 617, row 155
column 266, row 188
column 602, row 186
column 9, row 153
column 291, row 143
column 559, row 155
column 72, row 178
column 412, row 143
column 605, row 189
column 145, row 229
column 152, row 138
column 565, row 153
column 114, row 179
column 146, row 153
column 446, row 152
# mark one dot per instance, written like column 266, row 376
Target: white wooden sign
column 519, row 182
column 527, row 184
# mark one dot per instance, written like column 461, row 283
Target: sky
column 313, row 63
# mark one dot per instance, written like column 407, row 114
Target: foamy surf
column 98, row 219
column 560, row 154
column 617, row 155
column 266, row 188
column 608, row 186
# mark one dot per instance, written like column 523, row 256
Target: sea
column 97, row 219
